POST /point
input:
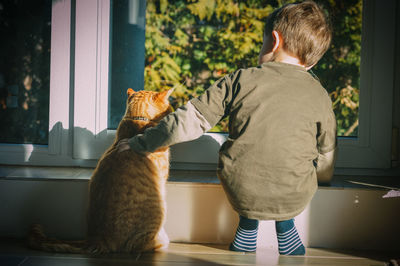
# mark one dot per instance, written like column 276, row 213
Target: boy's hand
column 123, row 145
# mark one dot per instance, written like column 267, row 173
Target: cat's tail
column 38, row 240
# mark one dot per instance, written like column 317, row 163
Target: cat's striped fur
column 127, row 207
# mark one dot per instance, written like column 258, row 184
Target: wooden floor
column 15, row 253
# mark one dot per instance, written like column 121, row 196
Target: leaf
column 203, row 9
column 163, row 5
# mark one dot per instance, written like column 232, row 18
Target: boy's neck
column 283, row 57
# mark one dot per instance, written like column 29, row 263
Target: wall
column 336, row 218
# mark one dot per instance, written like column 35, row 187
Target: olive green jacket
column 282, row 131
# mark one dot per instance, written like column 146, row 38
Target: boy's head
column 304, row 29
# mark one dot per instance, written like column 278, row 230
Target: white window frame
column 91, row 136
column 58, row 151
column 78, row 133
column 372, row 147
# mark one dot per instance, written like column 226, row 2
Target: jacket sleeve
column 215, row 102
column 326, row 166
column 327, row 148
column 188, row 122
column 185, row 124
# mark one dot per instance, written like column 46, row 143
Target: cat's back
column 119, row 173
column 127, row 191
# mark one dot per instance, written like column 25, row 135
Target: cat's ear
column 164, row 95
column 130, row 91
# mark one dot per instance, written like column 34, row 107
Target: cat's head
column 148, row 105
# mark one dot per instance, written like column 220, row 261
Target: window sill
column 84, row 174
column 8, row 172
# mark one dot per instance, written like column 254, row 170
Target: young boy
column 282, row 130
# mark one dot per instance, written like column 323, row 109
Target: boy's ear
column 130, row 91
column 165, row 94
column 278, row 40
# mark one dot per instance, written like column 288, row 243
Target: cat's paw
column 163, row 239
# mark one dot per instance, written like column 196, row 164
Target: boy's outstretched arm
column 188, row 122
column 185, row 124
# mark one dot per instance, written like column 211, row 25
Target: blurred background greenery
column 190, row 44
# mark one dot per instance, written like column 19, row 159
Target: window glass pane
column 191, row 44
column 339, row 69
column 127, row 54
column 24, row 71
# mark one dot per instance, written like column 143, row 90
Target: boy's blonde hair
column 304, row 28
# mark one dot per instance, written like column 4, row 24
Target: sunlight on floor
column 217, row 254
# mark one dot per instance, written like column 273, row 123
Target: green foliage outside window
column 191, row 44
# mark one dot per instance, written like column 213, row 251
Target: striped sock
column 246, row 236
column 289, row 241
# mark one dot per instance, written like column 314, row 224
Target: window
column 194, row 44
column 339, row 69
column 190, row 45
column 81, row 104
column 24, row 71
column 126, row 55
column 372, row 147
column 55, row 149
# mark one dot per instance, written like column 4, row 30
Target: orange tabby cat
column 126, row 192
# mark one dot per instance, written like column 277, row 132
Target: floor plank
column 14, row 253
